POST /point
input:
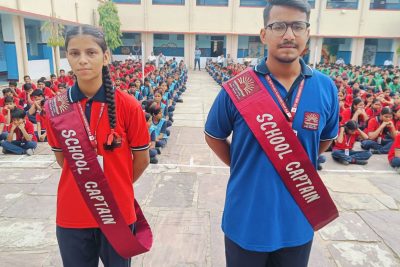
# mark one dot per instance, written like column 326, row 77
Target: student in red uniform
column 122, row 142
column 356, row 113
column 394, row 154
column 27, row 80
column 375, row 109
column 381, row 133
column 396, row 117
column 8, row 92
column 63, row 78
column 9, row 106
column 25, row 140
column 342, row 150
column 13, row 86
column 3, row 130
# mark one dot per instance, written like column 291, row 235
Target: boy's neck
column 283, row 70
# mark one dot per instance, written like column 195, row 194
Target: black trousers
column 84, row 247
column 284, row 257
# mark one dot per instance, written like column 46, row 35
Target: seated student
column 356, row 113
column 13, row 86
column 342, row 150
column 25, row 141
column 164, row 109
column 159, row 125
column 375, row 108
column 27, row 80
column 3, row 132
column 37, row 105
column 8, row 92
column 153, row 151
column 147, row 90
column 42, row 86
column 381, row 133
column 26, row 99
column 62, row 88
column 9, row 106
column 135, row 92
column 71, row 78
column 41, row 122
column 63, row 78
column 394, row 154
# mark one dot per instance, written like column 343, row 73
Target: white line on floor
column 358, row 171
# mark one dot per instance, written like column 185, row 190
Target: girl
column 135, row 91
column 153, row 151
column 342, row 150
column 375, row 108
column 158, row 96
column 356, row 113
column 381, row 133
column 396, row 117
column 121, row 141
column 159, row 125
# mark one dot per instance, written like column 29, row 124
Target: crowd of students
column 369, row 100
column 23, row 118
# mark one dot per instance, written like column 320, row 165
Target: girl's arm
column 141, row 159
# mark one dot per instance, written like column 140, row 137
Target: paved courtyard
column 183, row 198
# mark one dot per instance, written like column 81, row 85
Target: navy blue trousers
column 284, row 257
column 84, row 247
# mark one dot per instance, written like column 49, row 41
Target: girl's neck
column 90, row 88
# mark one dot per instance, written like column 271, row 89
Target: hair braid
column 110, row 97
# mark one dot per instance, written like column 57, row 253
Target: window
column 385, row 4
column 212, row 2
column 261, row 3
column 127, row 1
column 161, row 36
column 169, row 2
column 348, row 4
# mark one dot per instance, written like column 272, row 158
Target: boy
column 25, row 141
column 3, row 133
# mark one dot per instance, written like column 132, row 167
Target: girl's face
column 137, row 83
column 341, row 95
column 377, row 105
column 86, row 58
column 359, row 105
column 157, row 97
column 397, row 114
column 386, row 117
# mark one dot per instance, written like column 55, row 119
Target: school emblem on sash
column 311, row 121
column 59, row 104
column 243, row 86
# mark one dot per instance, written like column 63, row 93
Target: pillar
column 232, row 45
column 315, row 49
column 148, row 40
column 357, row 48
column 396, row 57
column 190, row 47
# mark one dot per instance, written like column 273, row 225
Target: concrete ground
column 183, row 199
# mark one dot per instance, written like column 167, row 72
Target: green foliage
column 55, row 31
column 109, row 21
column 398, row 51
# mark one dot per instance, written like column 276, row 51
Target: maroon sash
column 282, row 147
column 92, row 183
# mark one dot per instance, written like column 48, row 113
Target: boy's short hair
column 38, row 92
column 47, row 83
column 12, row 83
column 8, row 99
column 53, row 76
column 351, row 125
column 27, row 76
column 18, row 114
column 27, row 86
column 6, row 90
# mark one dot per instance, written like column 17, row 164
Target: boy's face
column 8, row 94
column 27, row 80
column 18, row 121
column 38, row 98
column 62, row 73
column 53, row 79
column 40, row 85
column 61, row 89
column 10, row 105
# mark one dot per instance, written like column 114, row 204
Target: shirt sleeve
column 331, row 128
column 219, row 122
column 51, row 139
column 137, row 132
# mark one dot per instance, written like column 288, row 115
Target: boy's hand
column 21, row 125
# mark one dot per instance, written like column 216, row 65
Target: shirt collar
column 263, row 69
column 75, row 94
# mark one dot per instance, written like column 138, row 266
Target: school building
column 357, row 31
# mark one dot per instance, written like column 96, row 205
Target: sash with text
column 276, row 137
column 88, row 174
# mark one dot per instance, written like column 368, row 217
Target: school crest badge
column 243, row 86
column 311, row 121
column 59, row 105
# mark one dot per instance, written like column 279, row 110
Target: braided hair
column 98, row 36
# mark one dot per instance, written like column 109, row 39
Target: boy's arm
column 221, row 148
column 27, row 136
column 11, row 133
column 59, row 158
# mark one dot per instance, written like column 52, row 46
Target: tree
column 56, row 39
column 109, row 21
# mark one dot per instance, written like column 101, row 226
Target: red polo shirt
column 72, row 211
column 29, row 129
column 41, row 118
column 396, row 145
column 347, row 143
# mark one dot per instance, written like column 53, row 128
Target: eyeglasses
column 279, row 29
